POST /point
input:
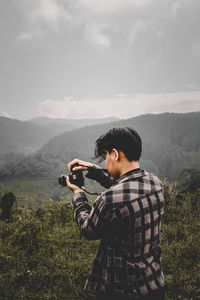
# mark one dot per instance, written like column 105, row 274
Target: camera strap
column 89, row 192
column 96, row 194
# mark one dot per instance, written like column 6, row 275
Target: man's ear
column 116, row 154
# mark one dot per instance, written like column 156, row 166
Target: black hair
column 125, row 139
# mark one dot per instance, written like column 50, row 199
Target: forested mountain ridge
column 181, row 130
column 22, row 137
column 171, row 143
column 73, row 123
column 26, row 137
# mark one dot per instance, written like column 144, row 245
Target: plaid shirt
column 127, row 219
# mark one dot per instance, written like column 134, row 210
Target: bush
column 181, row 244
column 43, row 256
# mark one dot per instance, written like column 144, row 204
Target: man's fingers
column 84, row 165
column 67, row 180
column 82, row 168
column 72, row 187
column 72, row 163
column 69, row 184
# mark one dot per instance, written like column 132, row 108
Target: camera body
column 75, row 177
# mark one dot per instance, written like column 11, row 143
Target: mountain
column 21, row 136
column 28, row 136
column 71, row 123
column 171, row 143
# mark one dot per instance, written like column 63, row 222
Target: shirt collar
column 135, row 173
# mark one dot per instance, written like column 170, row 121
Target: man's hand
column 84, row 165
column 74, row 188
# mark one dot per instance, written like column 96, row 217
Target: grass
column 34, row 193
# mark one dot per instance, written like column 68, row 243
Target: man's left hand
column 74, row 188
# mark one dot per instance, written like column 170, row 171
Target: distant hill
column 72, row 123
column 27, row 137
column 22, row 137
column 171, row 143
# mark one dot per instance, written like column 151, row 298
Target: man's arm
column 94, row 172
column 100, row 175
column 89, row 219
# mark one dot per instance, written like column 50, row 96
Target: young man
column 127, row 219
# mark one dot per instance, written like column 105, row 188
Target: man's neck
column 129, row 166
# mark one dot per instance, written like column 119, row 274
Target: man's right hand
column 84, row 165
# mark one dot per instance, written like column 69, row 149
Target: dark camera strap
column 85, row 189
column 89, row 192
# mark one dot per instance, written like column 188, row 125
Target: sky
column 98, row 58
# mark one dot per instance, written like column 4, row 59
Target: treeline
column 43, row 255
column 171, row 143
column 28, row 136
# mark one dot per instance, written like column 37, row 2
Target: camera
column 75, row 177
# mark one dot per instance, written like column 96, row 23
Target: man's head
column 125, row 139
column 120, row 147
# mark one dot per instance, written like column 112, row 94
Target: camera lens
column 62, row 180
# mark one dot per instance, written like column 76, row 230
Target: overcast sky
column 99, row 58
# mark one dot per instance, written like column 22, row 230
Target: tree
column 6, row 205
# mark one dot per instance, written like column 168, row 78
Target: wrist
column 77, row 190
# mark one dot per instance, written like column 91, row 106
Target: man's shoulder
column 131, row 188
column 143, row 180
column 153, row 179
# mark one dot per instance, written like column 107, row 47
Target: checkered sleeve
column 100, row 175
column 89, row 218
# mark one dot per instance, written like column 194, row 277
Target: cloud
column 196, row 50
column 42, row 15
column 94, row 34
column 6, row 114
column 51, row 14
column 161, row 34
column 123, row 106
column 139, row 27
column 191, row 85
column 28, row 36
column 110, row 6
column 164, row 56
column 49, row 10
column 174, row 7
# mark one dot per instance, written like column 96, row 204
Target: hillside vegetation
column 22, row 137
column 71, row 123
column 171, row 143
column 43, row 256
column 28, row 136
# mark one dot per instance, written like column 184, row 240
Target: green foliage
column 29, row 193
column 34, row 193
column 188, row 180
column 6, row 204
column 181, row 243
column 43, row 255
